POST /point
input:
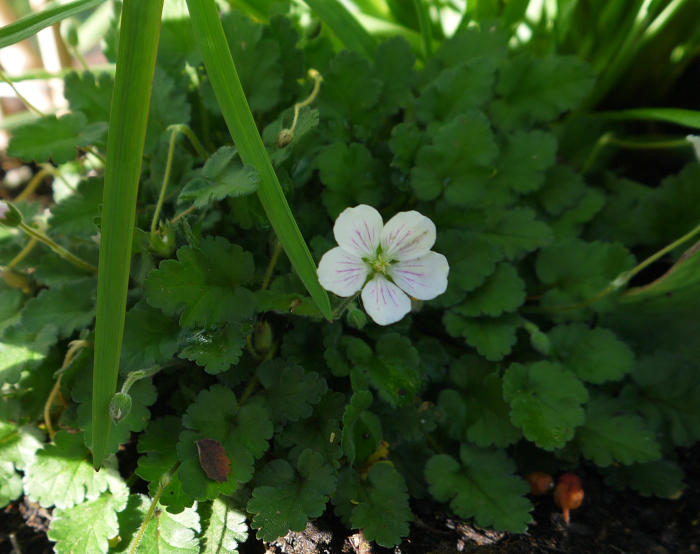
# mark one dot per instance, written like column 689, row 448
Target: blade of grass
column 426, row 29
column 33, row 23
column 344, row 25
column 229, row 93
column 138, row 44
column 678, row 116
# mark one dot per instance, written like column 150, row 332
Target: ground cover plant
column 242, row 399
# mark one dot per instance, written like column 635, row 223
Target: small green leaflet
column 225, row 526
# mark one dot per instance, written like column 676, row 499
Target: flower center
column 379, row 264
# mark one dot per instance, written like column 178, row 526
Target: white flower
column 694, row 140
column 4, row 208
column 388, row 262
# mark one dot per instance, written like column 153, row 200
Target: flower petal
column 384, row 302
column 407, row 236
column 358, row 230
column 423, row 278
column 341, row 273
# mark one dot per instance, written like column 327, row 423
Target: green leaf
column 291, row 392
column 18, row 444
column 257, row 60
column 224, row 77
column 456, row 90
column 595, row 355
column 535, row 90
column 609, row 436
column 678, row 116
column 393, row 64
column 458, row 162
column 65, row 309
column 580, row 269
column 62, row 476
column 150, row 337
column 666, row 391
column 662, row 478
column 472, row 259
column 88, row 526
column 54, row 139
column 89, row 93
column 393, row 370
column 524, row 161
column 169, row 106
column 349, row 175
column 10, row 484
column 362, row 430
column 481, row 486
column 563, row 188
column 384, row 492
column 76, row 214
column 222, row 176
column 545, row 401
column 493, row 338
column 242, row 431
column 203, row 284
column 286, row 499
column 158, row 444
column 344, row 25
column 215, row 349
column 406, row 139
column 478, row 413
column 32, row 23
column 225, row 529
column 167, row 533
column 350, row 91
column 504, row 291
column 514, row 232
column 22, row 351
column 138, row 45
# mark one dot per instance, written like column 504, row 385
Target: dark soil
column 609, row 521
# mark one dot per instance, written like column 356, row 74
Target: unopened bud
column 17, row 280
column 119, row 406
column 284, row 137
column 163, row 240
column 357, row 318
column 9, row 215
column 71, row 34
column 540, row 342
column 262, row 337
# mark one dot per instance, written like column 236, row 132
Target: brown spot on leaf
column 213, row 459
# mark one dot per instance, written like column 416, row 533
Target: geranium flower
column 388, row 262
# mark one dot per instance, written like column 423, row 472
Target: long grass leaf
column 33, row 23
column 229, row 93
column 344, row 25
column 678, row 116
column 136, row 58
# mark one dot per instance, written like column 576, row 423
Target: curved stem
column 343, row 305
column 22, row 253
column 316, row 76
column 65, row 254
column 27, row 103
column 271, row 266
column 164, row 482
column 34, row 183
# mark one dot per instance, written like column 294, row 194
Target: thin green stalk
column 426, row 29
column 138, row 45
column 622, row 279
column 164, row 482
column 65, row 254
column 19, row 95
column 340, row 308
column 656, row 26
column 234, row 107
column 22, row 253
column 271, row 265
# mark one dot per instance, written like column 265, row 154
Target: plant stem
column 164, row 482
column 65, row 254
column 34, row 183
column 73, row 348
column 622, row 279
column 271, row 266
column 24, row 101
column 182, row 214
column 316, row 76
column 22, row 253
column 343, row 305
column 175, row 131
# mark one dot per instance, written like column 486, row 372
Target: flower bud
column 284, row 138
column 17, row 280
column 119, row 406
column 163, row 240
column 9, row 215
column 262, row 337
column 568, row 494
column 540, row 342
column 356, row 318
column 71, row 34
column 540, row 483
